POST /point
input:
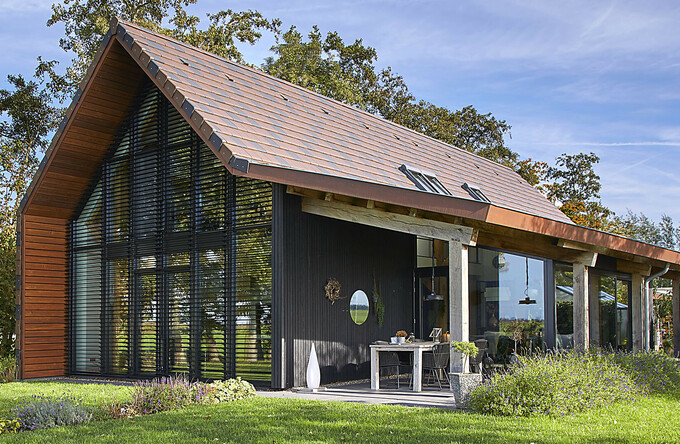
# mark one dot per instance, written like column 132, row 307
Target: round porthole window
column 358, row 307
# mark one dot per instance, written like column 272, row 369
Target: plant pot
column 461, row 386
column 401, row 339
column 393, row 340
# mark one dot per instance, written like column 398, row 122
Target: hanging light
column 527, row 300
column 433, row 296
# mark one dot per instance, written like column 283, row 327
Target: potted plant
column 463, row 382
column 401, row 336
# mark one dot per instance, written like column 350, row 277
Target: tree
column 86, row 21
column 573, row 185
column 347, row 73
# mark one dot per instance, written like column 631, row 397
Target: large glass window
column 610, row 314
column 171, row 258
column 507, row 302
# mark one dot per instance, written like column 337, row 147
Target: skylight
column 425, row 181
column 476, row 192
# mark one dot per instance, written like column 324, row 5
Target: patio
column 360, row 392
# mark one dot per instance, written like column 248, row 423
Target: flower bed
column 560, row 384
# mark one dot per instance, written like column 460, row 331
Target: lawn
column 283, row 420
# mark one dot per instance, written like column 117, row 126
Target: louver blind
column 170, row 259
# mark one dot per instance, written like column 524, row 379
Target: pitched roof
column 237, row 111
column 266, row 121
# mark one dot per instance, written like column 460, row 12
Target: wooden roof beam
column 390, row 221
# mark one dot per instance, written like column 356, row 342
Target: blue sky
column 570, row 77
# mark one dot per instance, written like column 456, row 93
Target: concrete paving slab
column 430, row 397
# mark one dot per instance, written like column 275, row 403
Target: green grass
column 284, row 420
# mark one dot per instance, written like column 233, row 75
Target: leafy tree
column 347, row 73
column 573, row 185
column 86, row 21
column 574, row 178
column 325, row 65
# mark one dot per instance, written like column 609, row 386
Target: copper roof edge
column 467, row 208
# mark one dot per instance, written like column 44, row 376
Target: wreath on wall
column 332, row 289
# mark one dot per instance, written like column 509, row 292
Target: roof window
column 425, row 181
column 476, row 192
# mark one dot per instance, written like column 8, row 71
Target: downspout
column 647, row 307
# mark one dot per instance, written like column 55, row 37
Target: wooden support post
column 459, row 315
column 676, row 316
column 581, row 325
column 637, row 310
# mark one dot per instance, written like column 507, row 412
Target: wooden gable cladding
column 65, row 177
column 44, row 319
column 87, row 136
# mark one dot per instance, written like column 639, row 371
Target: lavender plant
column 653, row 372
column 41, row 412
column 161, row 394
column 555, row 385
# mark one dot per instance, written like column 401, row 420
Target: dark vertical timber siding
column 309, row 250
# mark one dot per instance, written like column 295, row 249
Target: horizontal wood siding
column 44, row 317
column 309, row 250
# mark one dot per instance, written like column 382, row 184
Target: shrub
column 8, row 369
column 232, row 389
column 556, row 385
column 9, row 426
column 161, row 394
column 468, row 349
column 40, row 412
column 653, row 372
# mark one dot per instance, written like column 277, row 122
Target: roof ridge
column 309, row 91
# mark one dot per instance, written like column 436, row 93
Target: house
column 190, row 212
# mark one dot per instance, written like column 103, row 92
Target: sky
column 568, row 76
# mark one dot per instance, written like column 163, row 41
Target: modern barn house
column 191, row 211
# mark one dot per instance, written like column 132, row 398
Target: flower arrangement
column 401, row 334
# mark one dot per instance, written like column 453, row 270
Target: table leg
column 375, row 370
column 417, row 369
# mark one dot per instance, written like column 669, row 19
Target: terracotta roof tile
column 272, row 122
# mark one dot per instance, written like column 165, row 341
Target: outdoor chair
column 437, row 362
column 390, row 361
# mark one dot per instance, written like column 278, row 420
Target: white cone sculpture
column 313, row 370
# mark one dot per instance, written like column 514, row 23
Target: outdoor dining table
column 416, row 348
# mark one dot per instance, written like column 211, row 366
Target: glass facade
column 432, row 286
column 610, row 296
column 170, row 259
column 508, row 308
